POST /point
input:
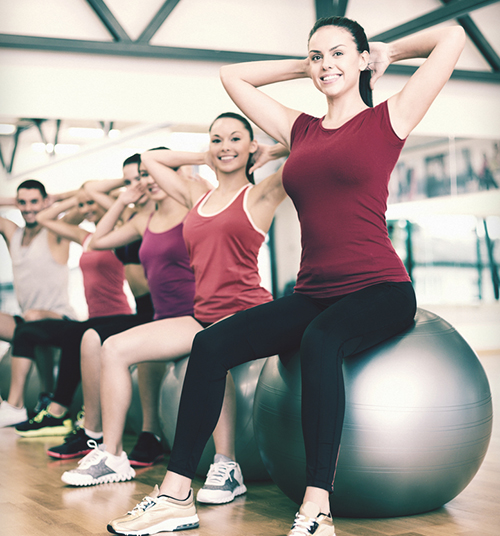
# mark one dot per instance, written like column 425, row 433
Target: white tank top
column 40, row 282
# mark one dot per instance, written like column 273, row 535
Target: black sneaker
column 75, row 445
column 147, row 451
column 45, row 424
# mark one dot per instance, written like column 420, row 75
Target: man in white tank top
column 39, row 265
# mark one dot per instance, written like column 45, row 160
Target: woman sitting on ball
column 352, row 289
column 223, row 232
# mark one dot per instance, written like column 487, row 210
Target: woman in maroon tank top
column 355, row 312
column 232, row 148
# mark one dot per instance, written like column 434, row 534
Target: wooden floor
column 34, row 501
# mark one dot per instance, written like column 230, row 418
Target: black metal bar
column 157, row 21
column 14, row 149
column 477, row 37
column 479, row 267
column 56, row 136
column 273, row 263
column 330, row 8
column 109, row 20
column 340, row 7
column 409, row 249
column 222, row 56
column 442, row 14
column 38, row 124
column 491, row 257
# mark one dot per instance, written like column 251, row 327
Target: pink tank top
column 170, row 278
column 223, row 248
column 103, row 280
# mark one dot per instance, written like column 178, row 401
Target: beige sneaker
column 309, row 520
column 157, row 514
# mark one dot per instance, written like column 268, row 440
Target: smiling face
column 153, row 191
column 30, row 202
column 335, row 63
column 89, row 209
column 131, row 176
column 230, row 145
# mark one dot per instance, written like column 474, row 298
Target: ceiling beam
column 330, row 8
column 157, row 21
column 452, row 10
column 477, row 37
column 131, row 49
column 109, row 20
column 223, row 56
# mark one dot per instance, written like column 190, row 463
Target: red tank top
column 103, row 280
column 338, row 181
column 223, row 248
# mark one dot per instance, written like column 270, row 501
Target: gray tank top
column 39, row 281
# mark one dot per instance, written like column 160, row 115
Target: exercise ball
column 416, row 429
column 133, row 423
column 245, row 378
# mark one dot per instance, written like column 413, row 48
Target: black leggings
column 67, row 335
column 326, row 330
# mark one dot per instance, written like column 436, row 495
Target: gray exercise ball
column 133, row 423
column 245, row 378
column 417, row 423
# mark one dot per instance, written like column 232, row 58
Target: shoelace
column 143, row 505
column 91, row 457
column 217, row 473
column 304, row 525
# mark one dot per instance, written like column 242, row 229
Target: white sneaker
column 157, row 514
column 10, row 415
column 309, row 520
column 99, row 467
column 224, row 482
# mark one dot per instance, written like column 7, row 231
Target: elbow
column 457, row 33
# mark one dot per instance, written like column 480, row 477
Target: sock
column 221, row 458
column 93, row 435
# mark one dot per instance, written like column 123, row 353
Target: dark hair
column 134, row 159
column 32, row 184
column 359, row 36
column 246, row 123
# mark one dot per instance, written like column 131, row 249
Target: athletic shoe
column 224, row 482
column 147, row 451
column 10, row 415
column 157, row 514
column 44, row 399
column 75, row 445
column 45, row 424
column 309, row 520
column 99, row 467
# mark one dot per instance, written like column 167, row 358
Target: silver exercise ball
column 133, row 424
column 416, row 430
column 245, row 378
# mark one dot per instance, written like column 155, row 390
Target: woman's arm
column 100, row 190
column 48, row 218
column 106, row 236
column 442, row 48
column 162, row 165
column 241, row 81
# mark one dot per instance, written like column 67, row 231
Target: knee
column 112, row 351
column 91, row 345
column 206, row 352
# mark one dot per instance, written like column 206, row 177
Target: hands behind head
column 379, row 61
column 132, row 194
